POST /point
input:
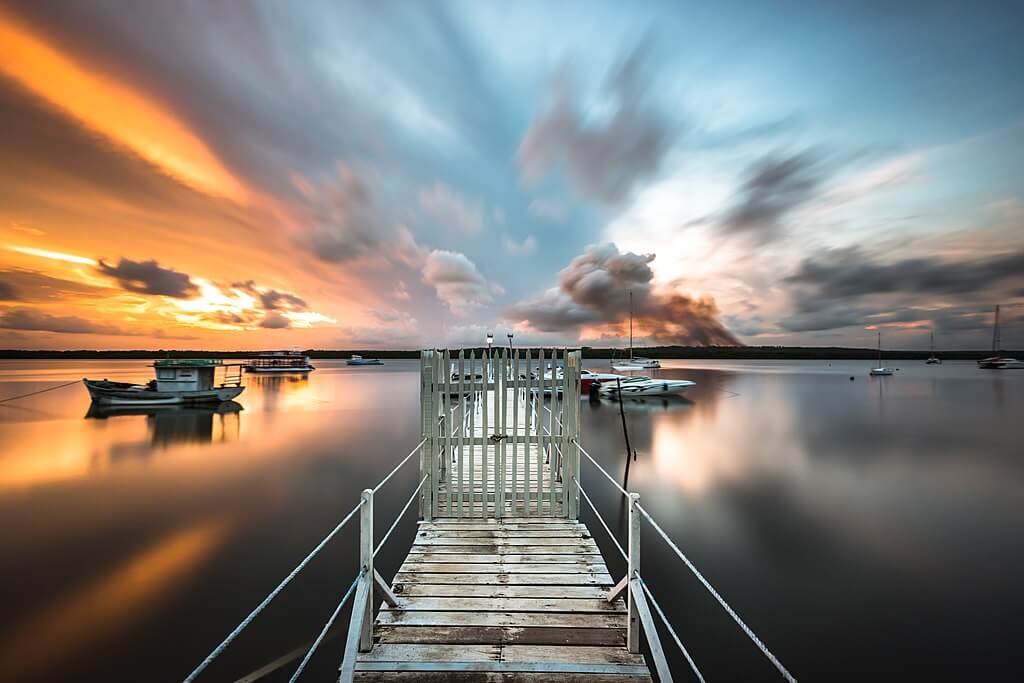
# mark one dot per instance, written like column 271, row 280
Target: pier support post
column 632, row 572
column 366, row 564
column 429, row 416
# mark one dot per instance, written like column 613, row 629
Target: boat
column 932, row 358
column 645, row 386
column 881, row 370
column 179, row 381
column 634, row 362
column 280, row 361
column 359, row 360
column 997, row 361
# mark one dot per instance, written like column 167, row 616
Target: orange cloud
column 113, row 109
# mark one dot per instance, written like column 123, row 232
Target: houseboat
column 178, row 381
column 280, row 361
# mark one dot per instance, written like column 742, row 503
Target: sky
column 257, row 175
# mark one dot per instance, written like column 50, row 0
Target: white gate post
column 366, row 562
column 428, row 412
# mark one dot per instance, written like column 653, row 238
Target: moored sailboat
column 881, row 370
column 932, row 358
column 634, row 362
column 997, row 361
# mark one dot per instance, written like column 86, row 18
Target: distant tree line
column 694, row 352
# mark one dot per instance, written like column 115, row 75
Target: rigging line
column 732, row 613
column 33, row 393
column 326, row 628
column 273, row 594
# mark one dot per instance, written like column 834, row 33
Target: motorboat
column 634, row 362
column 356, row 359
column 932, row 358
column 179, row 381
column 280, row 361
column 997, row 361
column 881, row 370
column 645, row 386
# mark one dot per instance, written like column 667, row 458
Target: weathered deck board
column 502, row 614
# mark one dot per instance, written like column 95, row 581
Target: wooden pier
column 501, row 583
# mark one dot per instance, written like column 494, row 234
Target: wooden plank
column 553, row 669
column 431, row 652
column 588, row 654
column 496, row 677
column 473, row 591
column 508, row 558
column 467, row 550
column 492, row 604
column 507, row 579
column 499, row 568
column 511, row 541
column 557, row 619
column 506, row 533
column 502, row 635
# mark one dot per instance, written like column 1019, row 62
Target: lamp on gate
column 490, row 340
column 510, row 335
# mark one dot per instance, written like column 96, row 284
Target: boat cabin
column 186, row 374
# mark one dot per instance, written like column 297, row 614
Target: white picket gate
column 499, row 426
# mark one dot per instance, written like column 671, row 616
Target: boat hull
column 124, row 394
column 653, row 388
column 375, row 361
column 303, row 368
column 881, row 372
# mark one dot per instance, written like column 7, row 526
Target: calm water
column 864, row 529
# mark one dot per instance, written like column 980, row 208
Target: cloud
column 594, row 292
column 29, row 319
column 774, row 186
column 840, row 274
column 31, row 285
column 274, row 321
column 526, row 247
column 7, row 292
column 148, row 277
column 605, row 160
column 343, row 221
column 271, row 299
column 451, row 210
column 457, row 281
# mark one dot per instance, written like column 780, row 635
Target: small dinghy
column 179, row 381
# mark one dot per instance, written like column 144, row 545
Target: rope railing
column 618, row 487
column 672, row 631
column 721, row 601
column 399, row 465
column 273, row 594
column 325, row 629
column 601, row 519
column 399, row 516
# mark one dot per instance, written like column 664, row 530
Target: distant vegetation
column 696, row 352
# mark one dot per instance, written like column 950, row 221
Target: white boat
column 932, row 358
column 634, row 362
column 645, row 386
column 359, row 360
column 280, row 361
column 997, row 361
column 178, row 382
column 881, row 370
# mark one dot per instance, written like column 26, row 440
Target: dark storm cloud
column 149, row 277
column 774, row 186
column 274, row 321
column 604, row 160
column 847, row 273
column 29, row 319
column 7, row 292
column 594, row 290
column 31, row 285
column 271, row 299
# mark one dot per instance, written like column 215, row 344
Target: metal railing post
column 632, row 572
column 366, row 564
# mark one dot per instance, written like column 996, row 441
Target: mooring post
column 366, row 564
column 633, row 571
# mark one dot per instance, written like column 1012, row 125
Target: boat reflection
column 171, row 425
column 655, row 404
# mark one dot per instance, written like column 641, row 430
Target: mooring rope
column 41, row 391
column 732, row 613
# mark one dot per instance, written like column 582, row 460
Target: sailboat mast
column 879, row 348
column 631, row 324
column 995, row 334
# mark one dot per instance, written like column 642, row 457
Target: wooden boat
column 178, row 382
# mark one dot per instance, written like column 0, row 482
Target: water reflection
column 170, row 425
